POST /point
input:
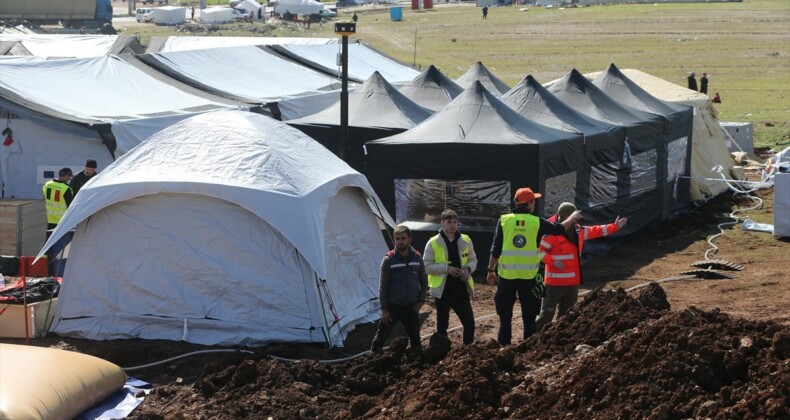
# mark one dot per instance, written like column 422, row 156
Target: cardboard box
column 40, row 316
column 23, row 226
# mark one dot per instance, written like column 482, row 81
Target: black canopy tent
column 631, row 171
column 678, row 128
column 431, row 89
column 376, row 110
column 479, row 73
column 470, row 156
column 530, row 99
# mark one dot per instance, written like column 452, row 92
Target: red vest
column 559, row 248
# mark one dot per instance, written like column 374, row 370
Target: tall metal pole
column 344, row 100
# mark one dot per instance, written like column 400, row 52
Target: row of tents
column 197, row 192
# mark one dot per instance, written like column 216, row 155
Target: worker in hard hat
column 561, row 255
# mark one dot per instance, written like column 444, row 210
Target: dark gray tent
column 678, row 128
column 479, row 73
column 376, row 110
column 530, row 99
column 632, row 171
column 431, row 89
column 470, row 156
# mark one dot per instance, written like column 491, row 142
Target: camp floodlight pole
column 344, row 29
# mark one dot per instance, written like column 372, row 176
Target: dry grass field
column 744, row 47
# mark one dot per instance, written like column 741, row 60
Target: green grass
column 744, row 47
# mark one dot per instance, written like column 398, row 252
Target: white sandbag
column 44, row 383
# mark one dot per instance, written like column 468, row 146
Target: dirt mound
column 612, row 356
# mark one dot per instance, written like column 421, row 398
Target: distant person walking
column 692, row 81
column 260, row 13
column 193, row 12
column 485, row 12
column 703, row 84
column 354, row 17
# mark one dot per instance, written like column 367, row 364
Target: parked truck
column 70, row 13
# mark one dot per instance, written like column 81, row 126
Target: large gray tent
column 530, row 99
column 678, row 128
column 631, row 173
column 470, row 156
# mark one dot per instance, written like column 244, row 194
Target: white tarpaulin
column 185, row 43
column 216, row 15
column 52, row 46
column 362, row 61
column 100, row 89
column 247, row 73
column 222, row 230
column 170, row 15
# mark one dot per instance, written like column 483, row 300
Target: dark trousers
column 411, row 322
column 458, row 302
column 505, row 298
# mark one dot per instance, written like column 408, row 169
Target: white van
column 144, row 14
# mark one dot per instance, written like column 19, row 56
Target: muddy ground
column 682, row 349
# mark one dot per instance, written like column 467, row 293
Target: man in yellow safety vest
column 450, row 260
column 57, row 196
column 515, row 259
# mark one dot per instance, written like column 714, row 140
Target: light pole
column 344, row 29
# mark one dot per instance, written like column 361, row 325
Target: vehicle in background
column 329, row 12
column 158, row 1
column 144, row 14
column 70, row 14
column 240, row 14
column 349, row 3
column 297, row 7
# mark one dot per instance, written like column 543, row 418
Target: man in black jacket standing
column 403, row 286
column 83, row 176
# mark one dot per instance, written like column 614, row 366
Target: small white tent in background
column 300, row 7
column 170, row 15
column 229, row 228
column 216, row 15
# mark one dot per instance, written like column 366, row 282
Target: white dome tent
column 228, row 228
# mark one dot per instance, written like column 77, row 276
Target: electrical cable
column 194, row 353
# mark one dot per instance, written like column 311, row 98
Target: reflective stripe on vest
column 55, row 199
column 561, row 275
column 520, row 258
column 440, row 256
column 563, row 257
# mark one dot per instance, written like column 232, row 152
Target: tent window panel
column 478, row 203
column 643, row 172
column 603, row 184
column 676, row 158
column 559, row 189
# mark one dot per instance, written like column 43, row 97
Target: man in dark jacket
column 83, row 176
column 403, row 286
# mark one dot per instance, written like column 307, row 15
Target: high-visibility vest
column 519, row 258
column 440, row 256
column 559, row 248
column 55, row 199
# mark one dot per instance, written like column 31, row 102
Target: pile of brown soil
column 612, row 356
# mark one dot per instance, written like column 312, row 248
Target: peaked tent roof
column 362, row 61
column 580, row 94
column 431, row 89
column 530, row 99
column 375, row 103
column 480, row 73
column 236, row 73
column 618, row 86
column 476, row 116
